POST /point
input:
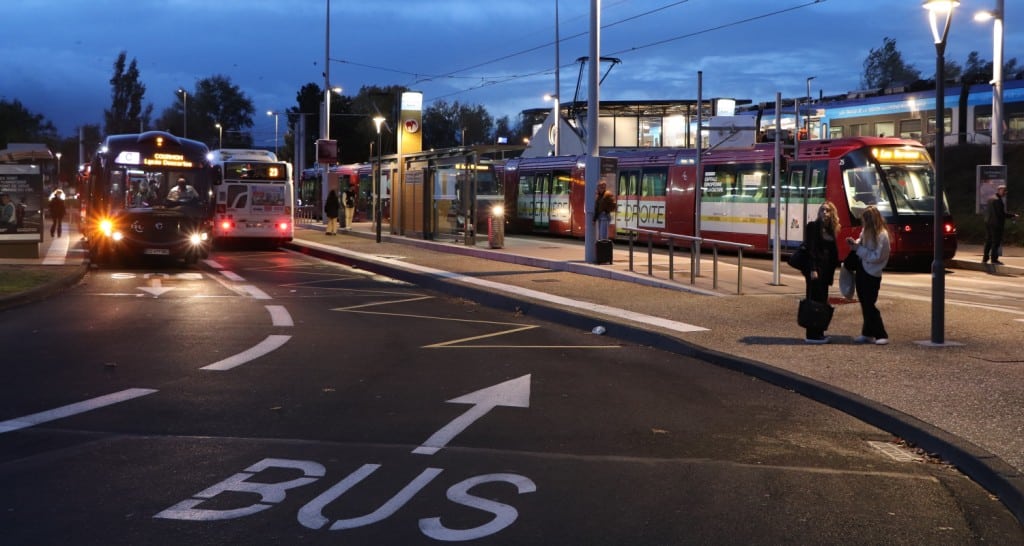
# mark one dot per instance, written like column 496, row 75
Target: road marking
column 266, row 346
column 606, row 310
column 156, row 287
column 256, row 293
column 72, row 409
column 231, row 275
column 213, row 263
column 279, row 315
column 513, row 393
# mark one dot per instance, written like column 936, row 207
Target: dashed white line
column 231, row 275
column 72, row 409
column 266, row 346
column 256, row 293
column 279, row 315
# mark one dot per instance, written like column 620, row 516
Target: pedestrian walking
column 57, row 211
column 349, row 200
column 822, row 260
column 604, row 206
column 873, row 250
column 331, row 208
column 995, row 221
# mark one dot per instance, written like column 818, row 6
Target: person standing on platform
column 57, row 211
column 604, row 206
column 873, row 250
column 822, row 261
column 995, row 221
column 331, row 208
column 349, row 200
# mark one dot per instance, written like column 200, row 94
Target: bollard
column 496, row 227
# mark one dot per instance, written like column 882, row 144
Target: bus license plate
column 157, row 251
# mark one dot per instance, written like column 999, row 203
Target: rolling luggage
column 604, row 251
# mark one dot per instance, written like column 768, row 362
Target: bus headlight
column 107, row 227
column 198, row 238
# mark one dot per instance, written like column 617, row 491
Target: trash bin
column 496, row 227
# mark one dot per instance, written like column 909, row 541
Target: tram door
column 802, row 195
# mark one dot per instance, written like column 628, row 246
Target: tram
column 657, row 190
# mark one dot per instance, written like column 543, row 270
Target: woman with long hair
column 873, row 250
column 823, row 258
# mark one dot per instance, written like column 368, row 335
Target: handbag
column 799, row 258
column 814, row 315
column 847, row 283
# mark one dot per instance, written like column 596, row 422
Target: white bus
column 254, row 196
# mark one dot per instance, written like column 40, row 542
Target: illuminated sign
column 167, row 160
column 900, row 155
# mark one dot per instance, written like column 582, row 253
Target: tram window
column 525, row 184
column 910, row 128
column 628, row 183
column 859, row 129
column 1015, row 127
column 562, row 182
column 654, row 183
column 816, row 183
column 983, row 123
column 885, row 128
column 835, row 132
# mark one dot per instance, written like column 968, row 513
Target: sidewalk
column 962, row 403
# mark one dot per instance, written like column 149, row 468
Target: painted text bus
column 254, row 196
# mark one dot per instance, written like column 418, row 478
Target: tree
column 126, row 114
column 17, row 124
column 885, row 67
column 214, row 100
column 446, row 125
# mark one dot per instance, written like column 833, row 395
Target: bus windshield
column 898, row 182
column 133, row 189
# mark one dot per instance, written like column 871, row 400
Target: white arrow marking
column 155, row 287
column 514, row 393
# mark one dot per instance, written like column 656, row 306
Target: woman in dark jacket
column 823, row 258
column 331, row 209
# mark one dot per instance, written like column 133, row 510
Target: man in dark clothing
column 995, row 219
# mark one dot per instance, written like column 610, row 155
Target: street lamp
column 556, row 115
column 58, row 154
column 935, row 9
column 809, row 78
column 377, row 120
column 220, row 135
column 275, row 114
column 184, row 109
column 997, row 78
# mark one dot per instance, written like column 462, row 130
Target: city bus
column 148, row 194
column 254, row 196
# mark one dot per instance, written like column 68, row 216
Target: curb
column 44, row 291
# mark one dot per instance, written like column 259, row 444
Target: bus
column 254, row 196
column 148, row 194
column 656, row 191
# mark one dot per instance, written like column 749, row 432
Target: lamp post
column 276, row 115
column 220, row 135
column 937, row 8
column 555, row 116
column 809, row 78
column 58, row 154
column 184, row 109
column 377, row 120
column 997, row 78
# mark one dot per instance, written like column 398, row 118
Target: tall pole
column 558, row 88
column 997, row 84
column 593, row 162
column 377, row 201
column 325, row 127
column 220, row 135
column 700, row 171
column 935, row 8
column 184, row 109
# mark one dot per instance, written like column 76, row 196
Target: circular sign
column 411, row 126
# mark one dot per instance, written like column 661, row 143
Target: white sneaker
column 863, row 339
column 882, row 341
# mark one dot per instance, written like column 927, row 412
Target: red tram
column 657, row 190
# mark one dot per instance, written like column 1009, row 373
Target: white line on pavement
column 72, row 409
column 279, row 315
column 269, row 344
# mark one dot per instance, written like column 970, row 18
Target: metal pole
column 379, row 202
column 777, row 202
column 997, row 84
column 326, row 125
column 700, row 176
column 938, row 267
column 593, row 163
column 558, row 89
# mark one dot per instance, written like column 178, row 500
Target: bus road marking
column 271, row 343
column 72, row 409
column 256, row 293
column 279, row 315
column 513, row 393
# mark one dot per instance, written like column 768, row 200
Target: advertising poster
column 22, row 211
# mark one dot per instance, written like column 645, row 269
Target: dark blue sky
column 56, row 56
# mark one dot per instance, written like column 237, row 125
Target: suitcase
column 604, row 251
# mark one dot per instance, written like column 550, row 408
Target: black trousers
column 993, row 242
column 867, row 292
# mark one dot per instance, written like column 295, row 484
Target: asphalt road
column 272, row 398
